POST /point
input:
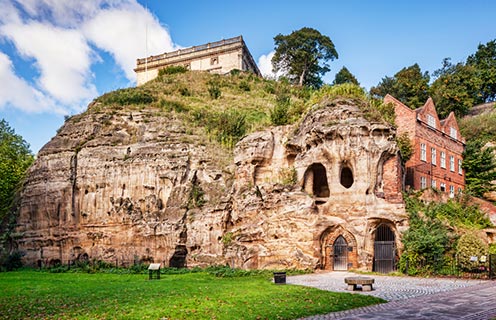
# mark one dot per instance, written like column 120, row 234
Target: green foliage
column 244, row 86
column 429, row 243
column 405, row 145
column 171, row 70
column 469, row 245
column 173, row 105
column 346, row 90
column 288, row 176
column 228, row 126
column 425, row 241
column 303, row 56
column 15, row 159
column 196, row 196
column 409, row 85
column 484, row 60
column 479, row 164
column 481, row 127
column 12, row 261
column 129, row 96
column 456, row 88
column 214, row 89
column 279, row 115
column 345, row 76
column 199, row 295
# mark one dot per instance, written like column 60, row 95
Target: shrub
column 288, row 176
column 228, row 126
column 280, row 115
column 405, row 146
column 469, row 245
column 13, row 261
column 172, row 70
column 244, row 85
column 214, row 89
column 129, row 96
column 170, row 105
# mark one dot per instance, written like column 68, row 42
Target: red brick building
column 437, row 148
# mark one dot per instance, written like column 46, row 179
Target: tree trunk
column 302, row 77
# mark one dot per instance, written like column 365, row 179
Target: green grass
column 43, row 295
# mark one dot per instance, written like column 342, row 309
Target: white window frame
column 452, row 163
column 423, row 152
column 453, row 133
column 443, row 160
column 433, row 184
column 423, row 182
column 431, row 121
column 460, row 170
column 433, row 156
column 452, row 191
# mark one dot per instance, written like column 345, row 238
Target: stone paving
column 412, row 298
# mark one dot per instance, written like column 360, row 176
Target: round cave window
column 346, row 177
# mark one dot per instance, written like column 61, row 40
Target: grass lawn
column 43, row 295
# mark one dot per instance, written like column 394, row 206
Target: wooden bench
column 365, row 282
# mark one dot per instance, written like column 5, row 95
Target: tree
column 484, row 60
column 15, row 158
column 409, row 85
column 303, row 56
column 345, row 76
column 456, row 88
column 480, row 167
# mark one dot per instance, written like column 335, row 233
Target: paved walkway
column 412, row 298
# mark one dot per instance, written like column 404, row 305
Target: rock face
column 341, row 204
column 125, row 186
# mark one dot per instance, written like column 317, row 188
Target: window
column 423, row 182
column 423, row 152
column 214, row 60
column 453, row 133
column 433, row 184
column 433, row 156
column 459, row 190
column 460, row 170
column 452, row 191
column 431, row 121
column 443, row 159
column 452, row 163
column 442, row 186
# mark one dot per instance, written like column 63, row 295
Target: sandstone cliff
column 140, row 183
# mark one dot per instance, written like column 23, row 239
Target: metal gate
column 340, row 251
column 492, row 266
column 384, row 250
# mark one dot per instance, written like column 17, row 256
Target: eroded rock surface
column 127, row 185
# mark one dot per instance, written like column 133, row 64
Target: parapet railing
column 202, row 47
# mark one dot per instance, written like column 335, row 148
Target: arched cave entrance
column 384, row 249
column 340, row 251
column 315, row 181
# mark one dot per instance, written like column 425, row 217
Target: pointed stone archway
column 339, row 249
column 384, row 245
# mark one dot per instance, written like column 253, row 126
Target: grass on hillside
column 42, row 295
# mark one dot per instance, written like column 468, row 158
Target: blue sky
column 57, row 55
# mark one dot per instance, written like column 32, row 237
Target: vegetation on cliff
column 436, row 240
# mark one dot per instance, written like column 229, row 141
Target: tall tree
column 409, row 85
column 456, row 88
column 345, row 76
column 480, row 167
column 15, row 158
column 303, row 56
column 484, row 60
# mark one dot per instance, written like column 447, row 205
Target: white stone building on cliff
column 216, row 57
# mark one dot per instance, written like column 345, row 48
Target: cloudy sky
column 58, row 55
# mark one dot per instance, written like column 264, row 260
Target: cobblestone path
column 412, row 298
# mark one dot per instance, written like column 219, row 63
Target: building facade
column 216, row 57
column 437, row 148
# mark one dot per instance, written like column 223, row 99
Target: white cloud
column 128, row 33
column 15, row 91
column 265, row 65
column 61, row 40
column 61, row 55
